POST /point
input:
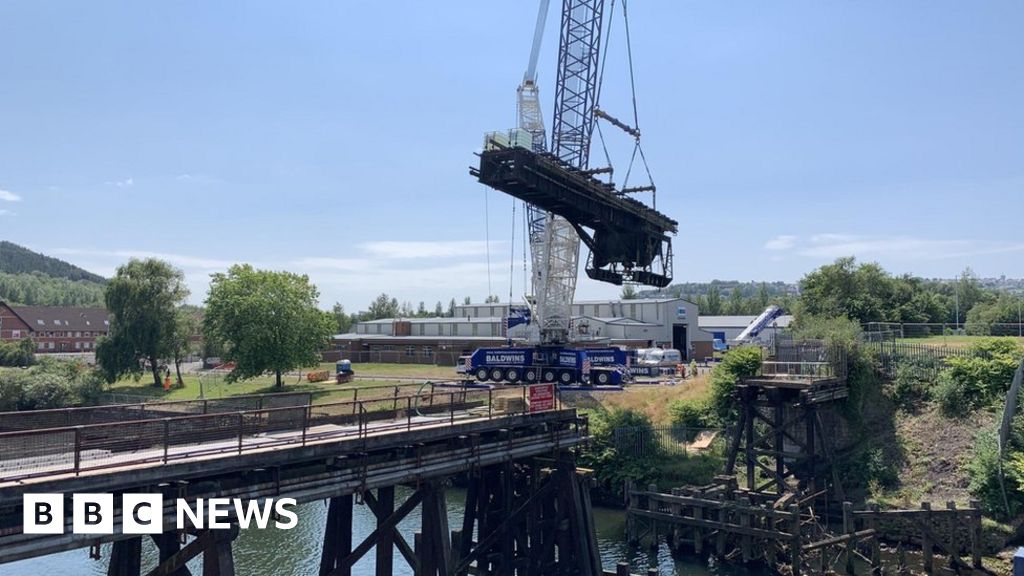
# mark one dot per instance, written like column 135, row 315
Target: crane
column 628, row 241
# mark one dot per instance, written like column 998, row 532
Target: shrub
column 50, row 384
column 736, row 364
column 690, row 413
column 912, row 385
column 21, row 353
column 983, row 469
column 980, row 379
column 612, row 463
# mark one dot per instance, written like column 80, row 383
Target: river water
column 296, row 552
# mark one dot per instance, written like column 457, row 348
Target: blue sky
column 333, row 138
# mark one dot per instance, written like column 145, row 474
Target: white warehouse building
column 665, row 322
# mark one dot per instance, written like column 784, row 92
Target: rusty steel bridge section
column 527, row 507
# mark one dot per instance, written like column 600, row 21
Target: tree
column 268, row 321
column 405, row 310
column 421, row 310
column 764, row 298
column 342, row 321
column 186, row 326
column 967, row 292
column 713, row 300
column 467, row 301
column 143, row 300
column 451, row 308
column 438, row 309
column 492, row 299
column 736, row 305
column 628, row 292
column 383, row 307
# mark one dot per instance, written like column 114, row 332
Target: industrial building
column 667, row 322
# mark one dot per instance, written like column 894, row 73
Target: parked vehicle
column 566, row 366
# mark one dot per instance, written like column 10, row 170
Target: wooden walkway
column 787, row 534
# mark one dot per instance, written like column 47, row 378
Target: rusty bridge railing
column 75, row 449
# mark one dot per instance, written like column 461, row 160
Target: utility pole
column 956, row 292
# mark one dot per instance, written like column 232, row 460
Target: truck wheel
column 566, row 377
column 512, row 375
column 550, row 375
column 497, row 374
column 530, row 375
column 481, row 374
column 603, row 378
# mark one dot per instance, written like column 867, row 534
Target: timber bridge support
column 526, row 508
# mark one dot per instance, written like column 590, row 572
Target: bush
column 51, row 384
column 980, row 379
column 736, row 364
column 612, row 465
column 690, row 413
column 21, row 353
column 983, row 469
column 912, row 385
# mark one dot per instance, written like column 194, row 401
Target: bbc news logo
column 144, row 513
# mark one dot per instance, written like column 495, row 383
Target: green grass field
column 368, row 376
column 954, row 341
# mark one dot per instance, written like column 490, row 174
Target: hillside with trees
column 32, row 279
column 16, row 259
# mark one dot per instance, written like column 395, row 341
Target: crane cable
column 512, row 254
column 487, row 237
column 637, row 148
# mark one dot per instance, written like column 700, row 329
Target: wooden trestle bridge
column 527, row 508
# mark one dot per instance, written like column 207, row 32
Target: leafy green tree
column 143, row 299
column 628, row 292
column 967, row 293
column 20, row 353
column 383, row 307
column 342, row 321
column 421, row 310
column 764, row 298
column 451, row 308
column 438, row 309
column 736, row 304
column 268, row 321
column 467, row 301
column 186, row 327
column 713, row 301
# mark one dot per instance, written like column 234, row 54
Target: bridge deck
column 323, row 459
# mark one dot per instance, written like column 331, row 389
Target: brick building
column 54, row 330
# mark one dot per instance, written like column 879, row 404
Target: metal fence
column 59, row 417
column 73, row 449
column 936, row 330
column 643, row 441
column 926, row 360
column 804, row 360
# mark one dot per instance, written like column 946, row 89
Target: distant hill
column 724, row 287
column 32, row 279
column 16, row 259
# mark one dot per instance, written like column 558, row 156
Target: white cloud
column 429, row 249
column 833, row 245
column 180, row 260
column 411, row 271
column 8, row 196
column 781, row 242
column 126, row 183
column 4, row 212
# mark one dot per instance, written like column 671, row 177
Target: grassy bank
column 215, row 386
